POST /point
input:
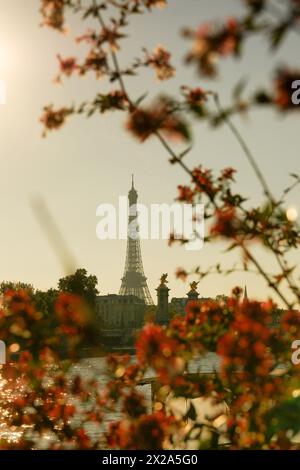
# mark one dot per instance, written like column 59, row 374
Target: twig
column 113, row 56
column 245, row 148
column 266, row 277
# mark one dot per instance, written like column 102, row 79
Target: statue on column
column 163, row 280
column 193, row 286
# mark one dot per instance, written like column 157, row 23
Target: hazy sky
column 90, row 162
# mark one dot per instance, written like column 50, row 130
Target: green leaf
column 231, row 247
column 140, row 99
column 185, row 152
column 239, row 88
column 278, row 35
column 184, row 130
column 191, row 413
column 284, row 417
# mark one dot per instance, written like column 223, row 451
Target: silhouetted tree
column 82, row 284
column 12, row 285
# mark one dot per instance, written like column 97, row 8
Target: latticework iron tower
column 134, row 281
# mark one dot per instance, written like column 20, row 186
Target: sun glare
column 292, row 214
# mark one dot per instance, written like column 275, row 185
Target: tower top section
column 132, row 195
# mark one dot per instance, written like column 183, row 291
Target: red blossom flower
column 67, row 66
column 159, row 60
column 110, row 36
column 227, row 174
column 226, row 223
column 204, row 181
column 186, row 194
column 116, row 99
column 143, row 123
column 134, row 404
column 54, row 119
column 290, row 322
column 71, row 311
column 96, row 61
column 181, row 274
column 193, row 310
column 84, row 440
column 150, row 344
column 53, row 13
column 90, row 37
column 147, row 432
column 19, row 301
column 245, row 346
column 283, row 88
column 155, row 349
column 212, row 41
column 195, row 96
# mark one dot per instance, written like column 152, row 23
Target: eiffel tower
column 134, row 281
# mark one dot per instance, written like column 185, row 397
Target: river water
column 96, row 368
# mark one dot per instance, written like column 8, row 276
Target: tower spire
column 134, row 281
column 132, row 184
